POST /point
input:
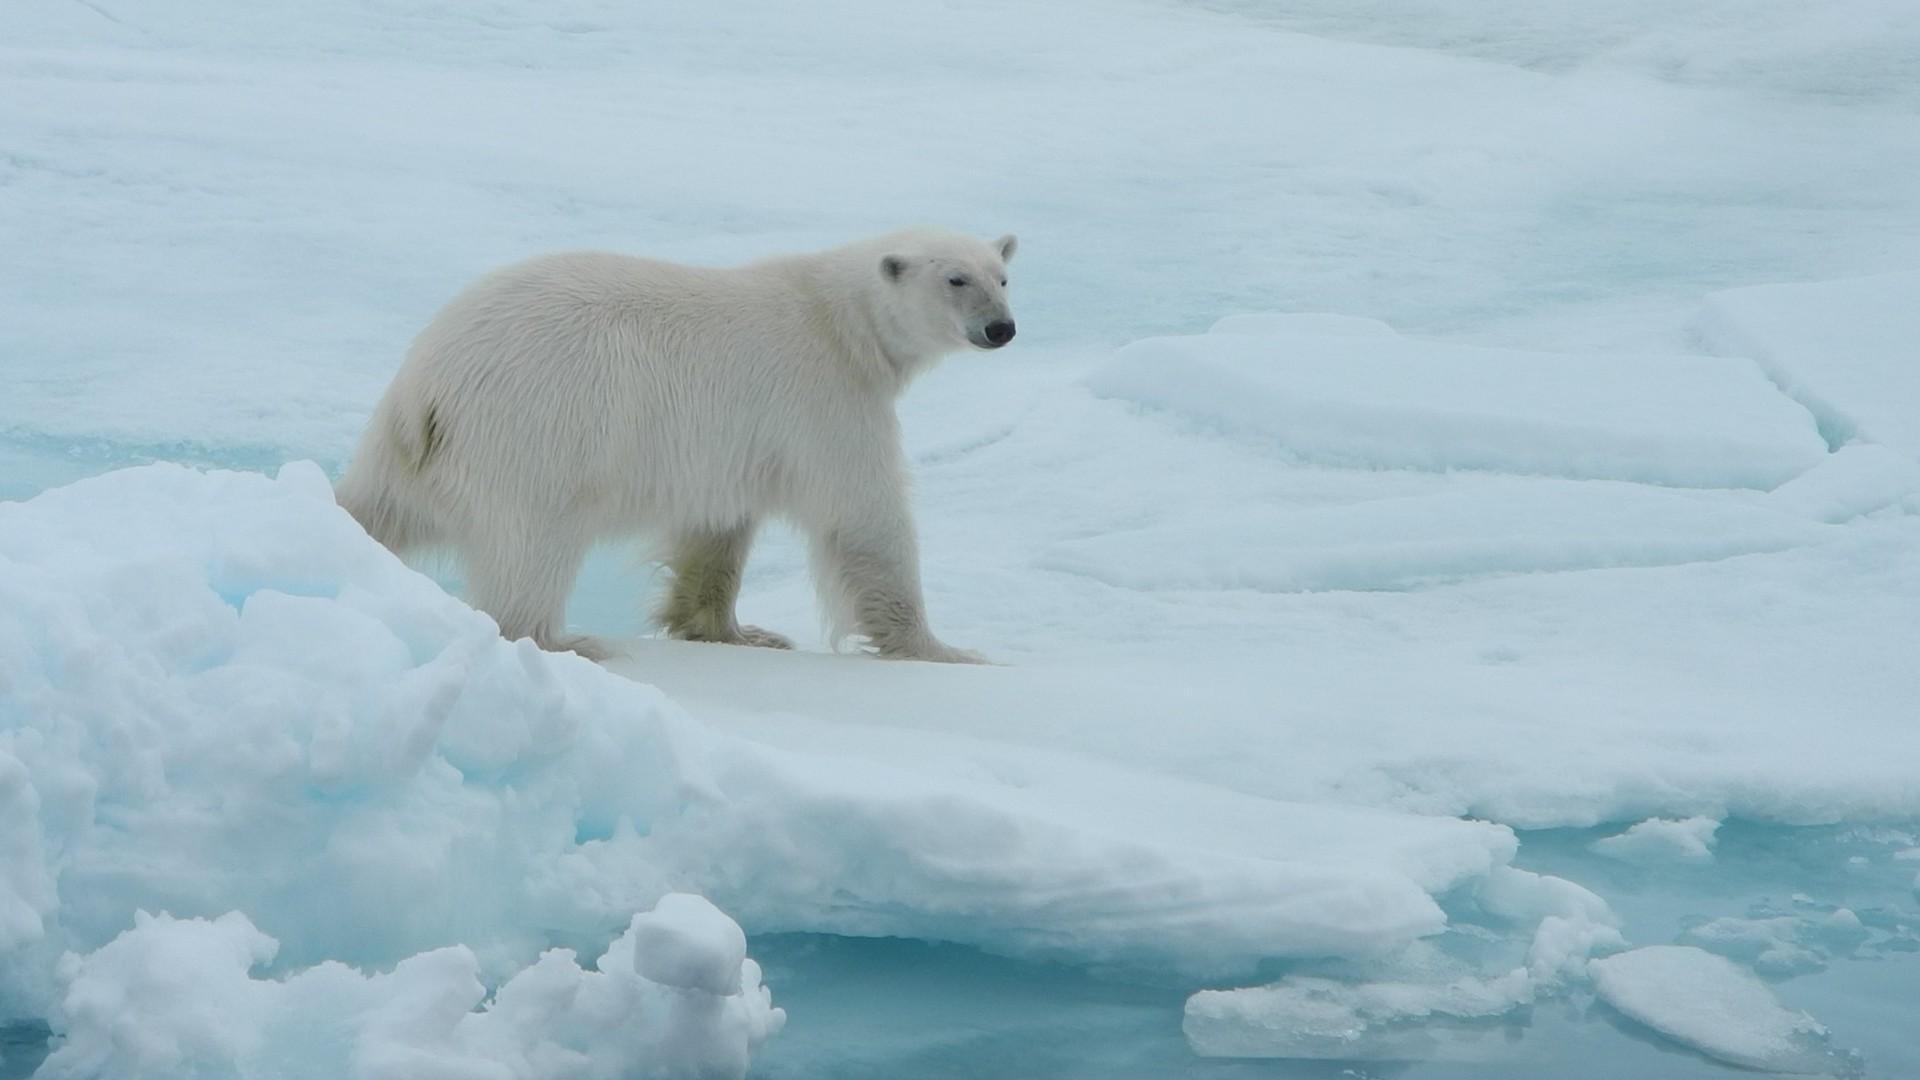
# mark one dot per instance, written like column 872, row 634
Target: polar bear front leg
column 706, row 570
column 867, row 565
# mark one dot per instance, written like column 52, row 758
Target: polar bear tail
column 381, row 486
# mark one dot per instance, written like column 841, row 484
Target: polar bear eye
column 1003, row 283
column 956, row 281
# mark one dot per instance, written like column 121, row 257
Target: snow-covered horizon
column 1449, row 528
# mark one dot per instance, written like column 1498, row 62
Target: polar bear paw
column 592, row 648
column 930, row 651
column 764, row 639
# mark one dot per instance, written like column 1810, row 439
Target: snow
column 1455, row 525
column 1712, row 1005
column 223, row 693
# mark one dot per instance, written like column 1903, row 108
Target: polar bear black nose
column 999, row 333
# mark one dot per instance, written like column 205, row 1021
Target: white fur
column 576, row 398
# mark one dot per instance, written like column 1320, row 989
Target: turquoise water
column 873, row 1009
column 865, row 1009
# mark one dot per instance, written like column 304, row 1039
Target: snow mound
column 1713, row 1005
column 1378, row 401
column 222, row 696
column 1490, row 525
column 175, row 998
column 1845, row 348
column 1657, row 839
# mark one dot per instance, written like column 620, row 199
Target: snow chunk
column 1572, row 922
column 1562, row 945
column 687, row 942
column 1712, row 1005
column 168, row 997
column 1389, row 402
column 1524, row 896
column 175, row 997
column 1657, row 839
column 1845, row 348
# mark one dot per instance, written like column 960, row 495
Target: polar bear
column 577, row 398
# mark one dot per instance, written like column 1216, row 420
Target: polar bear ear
column 893, row 267
column 1007, row 245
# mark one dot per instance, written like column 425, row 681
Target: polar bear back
column 634, row 393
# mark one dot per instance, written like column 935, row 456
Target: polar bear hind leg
column 522, row 576
column 706, row 569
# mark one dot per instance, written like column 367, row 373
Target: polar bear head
column 949, row 291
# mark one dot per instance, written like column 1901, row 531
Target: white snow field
column 1449, row 529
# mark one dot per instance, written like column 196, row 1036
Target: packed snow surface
column 1381, row 401
column 1438, row 532
column 1846, row 349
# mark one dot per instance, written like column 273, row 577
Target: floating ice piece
column 1771, row 945
column 1844, row 348
column 1659, row 839
column 1310, row 1017
column 1394, row 403
column 1713, row 1005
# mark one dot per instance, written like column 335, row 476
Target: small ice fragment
column 1657, row 839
